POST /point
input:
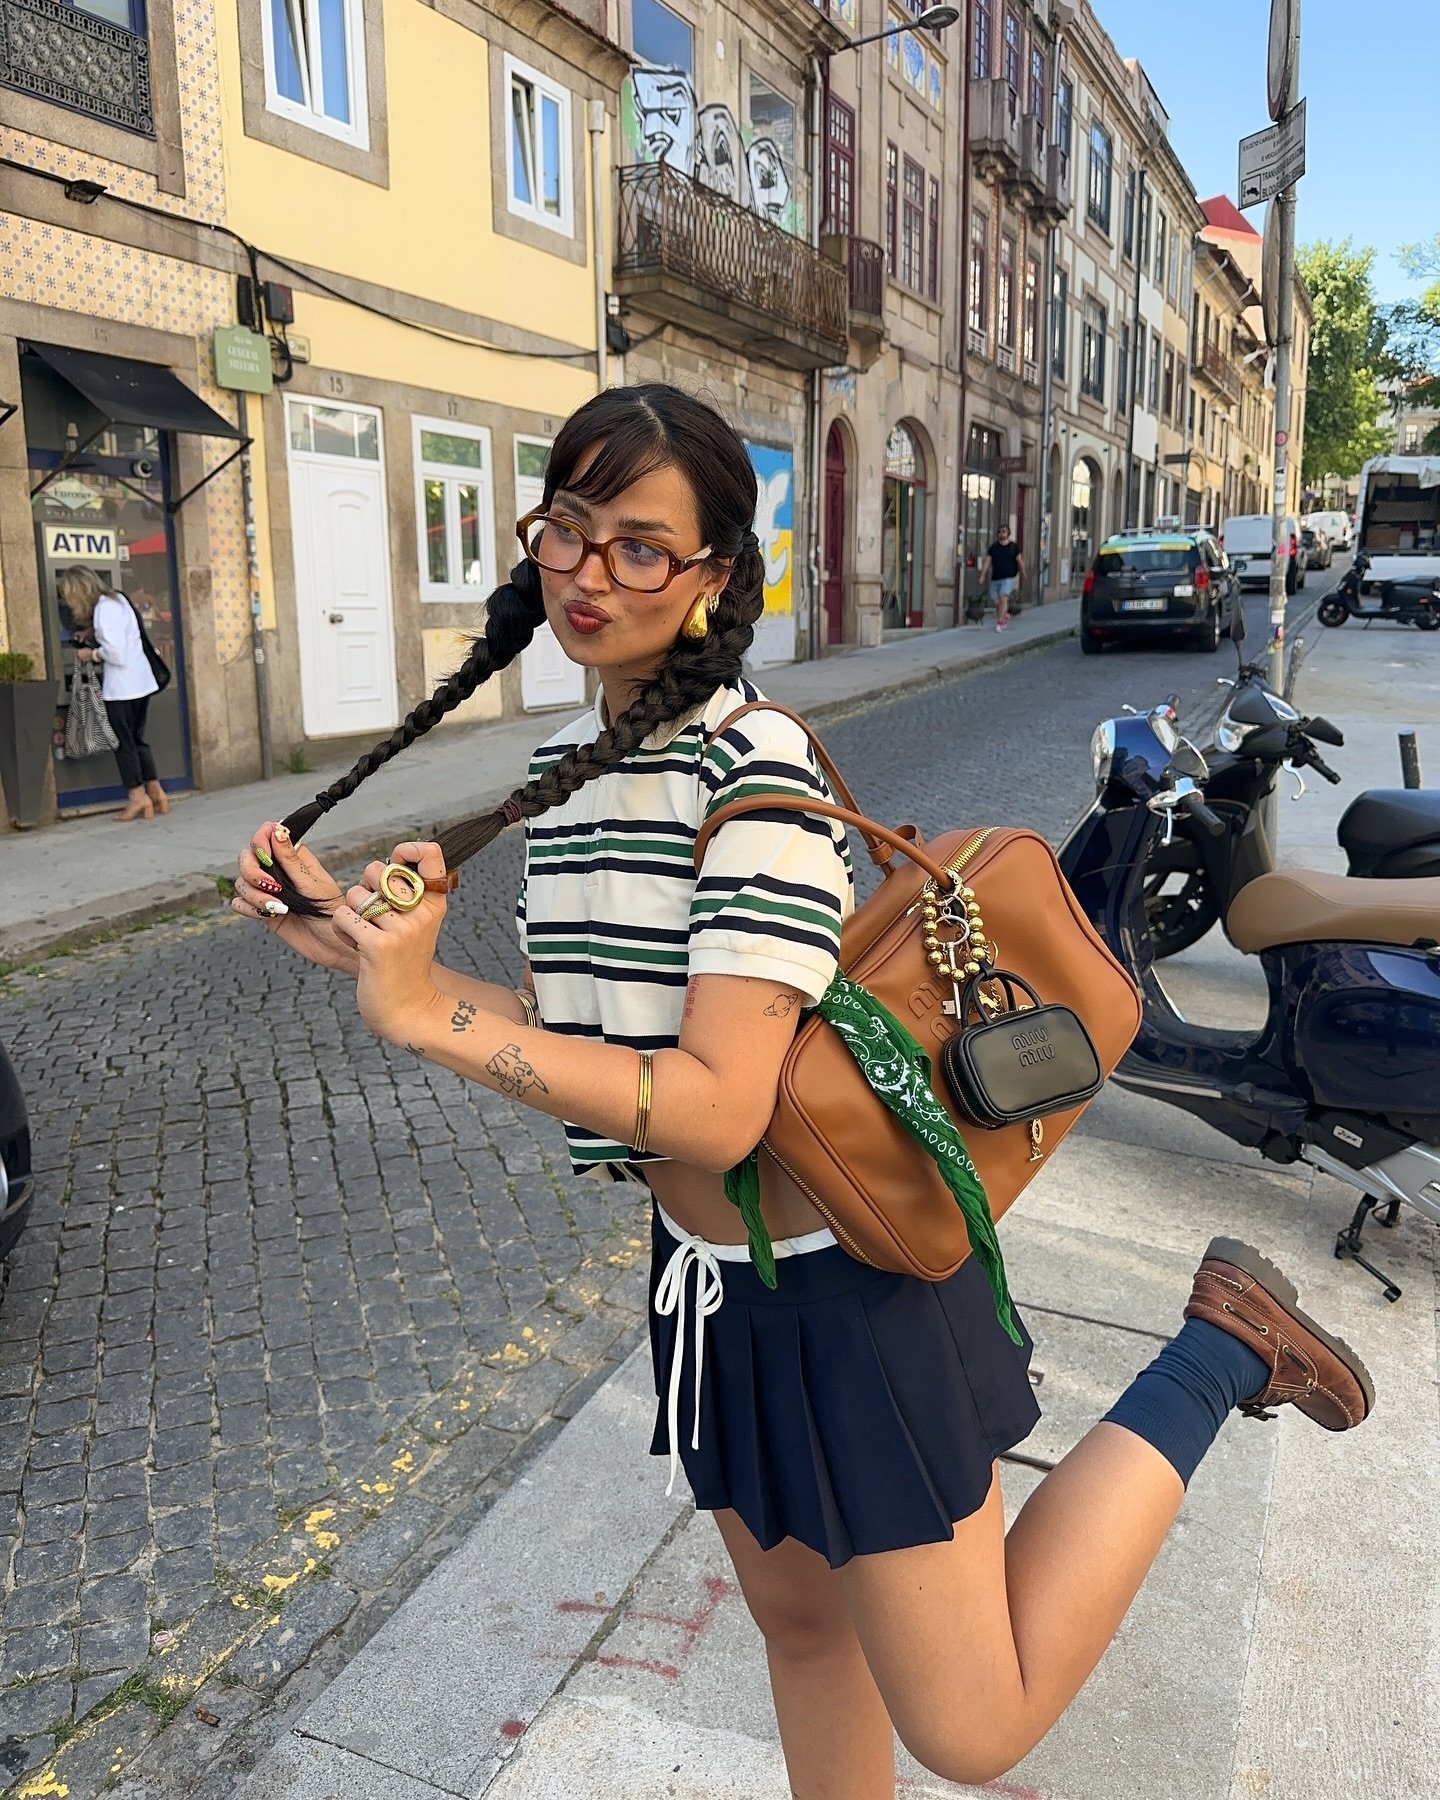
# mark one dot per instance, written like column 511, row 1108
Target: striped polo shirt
column 612, row 917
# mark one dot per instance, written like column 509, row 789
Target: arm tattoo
column 782, row 1006
column 691, row 996
column 464, row 1012
column 513, row 1075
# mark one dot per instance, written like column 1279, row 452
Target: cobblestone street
column 264, row 1245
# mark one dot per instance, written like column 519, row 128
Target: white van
column 1335, row 525
column 1247, row 540
column 1399, row 518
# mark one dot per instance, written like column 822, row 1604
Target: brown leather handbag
column 918, row 946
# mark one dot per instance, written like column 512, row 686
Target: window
column 979, row 299
column 315, row 65
column 454, row 509
column 892, row 206
column 1145, row 214
column 1011, row 60
column 982, row 22
column 1037, row 87
column 839, row 167
column 1030, row 340
column 1061, row 324
column 537, row 160
column 933, row 285
column 1122, row 369
column 321, row 430
column 772, row 116
column 1064, row 118
column 661, row 38
column 912, row 231
column 1092, row 351
column 1097, row 203
column 1162, row 227
column 1005, row 300
column 129, row 15
column 1127, row 240
column 1168, row 406
column 1140, row 341
column 1172, row 284
column 1154, row 372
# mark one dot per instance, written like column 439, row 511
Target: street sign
column 1270, row 276
column 1280, row 66
column 242, row 359
column 1272, row 160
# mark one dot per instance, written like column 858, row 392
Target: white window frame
column 357, row 132
column 515, row 70
column 455, row 592
column 540, row 443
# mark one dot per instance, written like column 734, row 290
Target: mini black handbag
column 1021, row 1063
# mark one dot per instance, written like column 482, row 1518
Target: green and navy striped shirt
column 612, row 917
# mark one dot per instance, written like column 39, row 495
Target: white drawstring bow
column 670, row 1298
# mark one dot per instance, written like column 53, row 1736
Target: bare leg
column 978, row 1645
column 836, row 1733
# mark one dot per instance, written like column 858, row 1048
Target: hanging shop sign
column 81, row 543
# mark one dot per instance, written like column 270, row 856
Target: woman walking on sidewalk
column 843, row 1424
column 108, row 618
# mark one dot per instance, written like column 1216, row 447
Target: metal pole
column 1133, row 398
column 1048, row 524
column 595, row 124
column 257, row 633
column 1410, row 759
column 1284, row 313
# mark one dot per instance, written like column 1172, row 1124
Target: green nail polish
column 265, row 859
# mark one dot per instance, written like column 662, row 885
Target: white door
column 342, row 570
column 547, row 675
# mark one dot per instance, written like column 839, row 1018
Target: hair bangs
column 633, row 448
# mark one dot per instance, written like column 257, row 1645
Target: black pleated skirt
column 848, row 1408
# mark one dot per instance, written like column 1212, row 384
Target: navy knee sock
column 1180, row 1402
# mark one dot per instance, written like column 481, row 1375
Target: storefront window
column 981, row 501
column 1082, row 517
column 903, row 530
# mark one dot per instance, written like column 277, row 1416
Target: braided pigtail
column 514, row 612
column 687, row 678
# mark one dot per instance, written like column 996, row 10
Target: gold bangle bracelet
column 642, row 1102
column 529, row 1008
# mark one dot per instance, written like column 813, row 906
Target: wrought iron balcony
column 1209, row 362
column 994, row 129
column 1027, row 183
column 865, row 266
column 1049, row 201
column 704, row 260
column 71, row 58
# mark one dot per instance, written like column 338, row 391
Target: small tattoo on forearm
column 414, row 1049
column 691, row 996
column 782, row 1006
column 513, row 1075
column 463, row 1014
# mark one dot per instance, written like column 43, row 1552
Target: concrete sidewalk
column 132, row 873
column 587, row 1643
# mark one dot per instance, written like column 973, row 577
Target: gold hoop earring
column 697, row 620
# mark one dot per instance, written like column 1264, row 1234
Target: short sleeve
column 775, row 886
column 520, row 917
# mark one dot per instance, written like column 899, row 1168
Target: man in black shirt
column 1005, row 568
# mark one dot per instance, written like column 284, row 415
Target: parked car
column 16, row 1176
column 1247, row 540
column 1315, row 547
column 1144, row 584
column 1337, row 526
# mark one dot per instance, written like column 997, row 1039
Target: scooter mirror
column 1237, row 624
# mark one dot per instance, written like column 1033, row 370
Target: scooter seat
column 1303, row 906
column 1388, row 819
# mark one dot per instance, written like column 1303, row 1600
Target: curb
column 80, row 926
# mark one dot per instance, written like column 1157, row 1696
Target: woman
column 847, row 1421
column 126, row 685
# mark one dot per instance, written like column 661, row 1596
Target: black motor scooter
column 1193, row 876
column 1401, row 602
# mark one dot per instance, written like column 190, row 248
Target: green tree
column 1348, row 360
column 1414, row 328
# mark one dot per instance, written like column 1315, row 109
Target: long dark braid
column 638, row 430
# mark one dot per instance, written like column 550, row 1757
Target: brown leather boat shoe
column 1243, row 1293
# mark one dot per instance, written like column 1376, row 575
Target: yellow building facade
column 391, row 222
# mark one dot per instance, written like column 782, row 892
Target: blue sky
column 1367, row 75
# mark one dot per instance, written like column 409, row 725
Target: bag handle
column 797, row 803
column 880, row 850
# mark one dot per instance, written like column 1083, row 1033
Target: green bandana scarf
column 898, row 1071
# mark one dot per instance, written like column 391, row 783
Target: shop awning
column 125, row 392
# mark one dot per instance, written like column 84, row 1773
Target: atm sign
column 71, row 543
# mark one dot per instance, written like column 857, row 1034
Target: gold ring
column 373, row 908
column 402, row 887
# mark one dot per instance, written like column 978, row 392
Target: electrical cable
column 255, row 253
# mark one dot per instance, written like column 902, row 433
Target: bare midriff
column 695, row 1200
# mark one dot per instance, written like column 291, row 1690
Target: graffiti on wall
column 664, row 123
column 775, row 524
